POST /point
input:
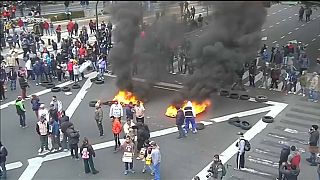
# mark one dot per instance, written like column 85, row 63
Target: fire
column 198, row 107
column 125, row 97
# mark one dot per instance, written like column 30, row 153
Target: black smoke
column 233, row 37
column 128, row 16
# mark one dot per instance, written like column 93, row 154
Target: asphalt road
column 187, row 156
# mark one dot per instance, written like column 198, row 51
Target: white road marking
column 263, row 30
column 274, row 42
column 285, row 8
column 308, row 22
column 283, row 37
column 314, row 18
column 38, row 94
column 35, row 163
column 13, row 165
column 318, row 49
column 271, row 26
column 313, row 39
column 226, row 155
column 290, row 17
column 318, row 15
column 306, row 45
column 283, row 20
column 279, row 11
column 296, row 14
column 268, row 15
column 303, row 25
column 274, row 13
column 277, row 23
column 264, row 38
column 296, row 28
column 318, row 35
column 170, row 89
column 290, row 32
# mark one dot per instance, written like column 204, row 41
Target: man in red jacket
column 46, row 27
column 70, row 27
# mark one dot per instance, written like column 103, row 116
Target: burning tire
column 92, row 103
column 99, row 82
column 224, row 93
column 55, row 89
column 76, row 86
column 49, row 85
column 200, row 126
column 234, row 96
column 245, row 125
column 65, row 89
column 261, row 98
column 233, row 119
column 267, row 119
column 244, row 97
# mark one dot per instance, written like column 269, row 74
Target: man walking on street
column 98, row 116
column 139, row 110
column 156, row 159
column 42, row 129
column 313, row 144
column 116, row 111
column 241, row 151
column 283, row 158
column 179, row 122
column 3, row 78
column 21, row 111
column 3, row 159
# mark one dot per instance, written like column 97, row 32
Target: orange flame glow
column 198, row 107
column 125, row 97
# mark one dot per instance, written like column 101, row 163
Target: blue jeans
column 181, row 131
column 101, row 73
column 193, row 124
column 13, row 84
column 313, row 95
column 3, row 173
column 156, row 169
column 22, row 119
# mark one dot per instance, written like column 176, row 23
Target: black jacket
column 73, row 135
column 180, row 117
column 289, row 174
column 285, row 151
column 3, row 75
column 314, row 138
column 3, row 153
column 90, row 150
column 23, row 83
column 13, row 75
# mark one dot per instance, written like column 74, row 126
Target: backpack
column 247, row 145
column 224, row 171
column 295, row 161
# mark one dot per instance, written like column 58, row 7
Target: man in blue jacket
column 37, row 70
column 179, row 122
column 55, row 135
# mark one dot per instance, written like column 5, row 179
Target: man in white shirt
column 139, row 110
column 28, row 66
column 116, row 110
column 241, row 151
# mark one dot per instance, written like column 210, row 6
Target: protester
column 128, row 152
column 180, row 122
column 42, row 129
column 21, row 111
column 12, row 76
column 99, row 117
column 3, row 79
column 35, row 102
column 73, row 137
column 313, row 144
column 216, row 168
column 285, row 151
column 139, row 111
column 156, row 159
column 87, row 154
column 127, row 127
column 116, row 130
column 190, row 115
column 116, row 111
column 241, row 151
column 3, row 159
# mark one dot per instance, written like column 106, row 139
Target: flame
column 125, row 97
column 198, row 107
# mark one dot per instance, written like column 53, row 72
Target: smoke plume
column 128, row 16
column 233, row 38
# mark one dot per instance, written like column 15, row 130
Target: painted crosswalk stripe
column 296, row 14
column 285, row 8
column 302, row 25
column 283, row 37
column 274, row 42
column 289, row 32
column 278, row 23
column 271, row 26
column 306, row 45
column 274, row 13
column 283, row 20
column 290, row 17
column 296, row 28
column 313, row 39
column 268, row 15
column 263, row 30
column 279, row 11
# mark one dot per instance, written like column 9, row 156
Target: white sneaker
column 294, row 93
column 289, row 92
column 300, row 94
column 304, row 95
column 37, row 84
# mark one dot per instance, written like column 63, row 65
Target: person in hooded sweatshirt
column 285, row 151
column 190, row 115
column 290, row 173
column 179, row 122
column 3, row 159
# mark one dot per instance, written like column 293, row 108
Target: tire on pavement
column 261, row 98
column 92, row 103
column 99, row 81
column 224, row 92
column 49, row 85
column 108, row 103
column 233, row 119
column 234, row 96
column 76, row 86
column 65, row 89
column 55, row 89
column 244, row 97
column 200, row 126
column 245, row 125
column 267, row 119
column 44, row 83
column 237, row 123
